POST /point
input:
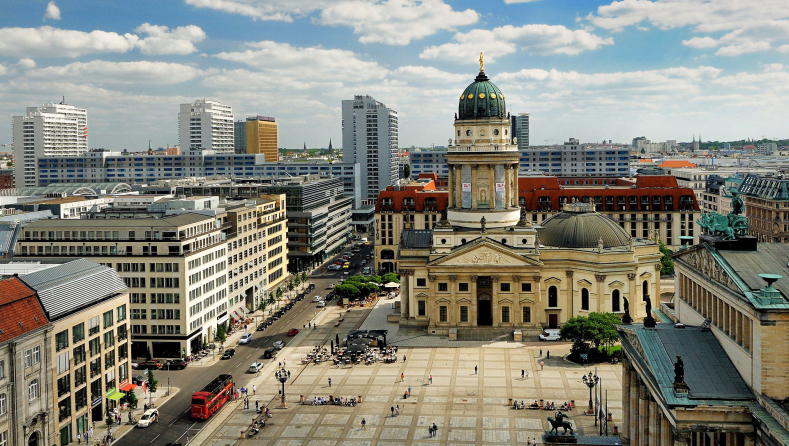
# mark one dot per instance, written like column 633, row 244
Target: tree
column 666, row 264
column 375, row 279
column 407, row 171
column 304, row 276
column 368, row 288
column 279, row 293
column 597, row 329
column 131, row 398
column 152, row 382
column 390, row 277
column 297, row 280
column 347, row 290
column 290, row 284
column 220, row 333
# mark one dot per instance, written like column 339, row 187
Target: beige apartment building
column 87, row 304
column 257, row 252
column 174, row 266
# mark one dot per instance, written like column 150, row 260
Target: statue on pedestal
column 560, row 421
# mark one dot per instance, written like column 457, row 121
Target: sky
column 588, row 69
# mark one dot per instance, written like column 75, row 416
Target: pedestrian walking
column 475, row 370
column 540, row 353
column 403, row 358
column 430, row 379
column 79, row 439
column 392, row 409
column 402, row 377
column 91, row 431
column 527, row 374
column 409, row 390
column 257, row 405
column 254, row 389
column 542, row 364
column 284, row 363
column 364, row 423
column 547, row 354
column 435, row 430
column 85, row 435
column 523, row 374
column 397, row 409
column 329, row 381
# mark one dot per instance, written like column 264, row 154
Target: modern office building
column 261, row 134
column 240, row 136
column 206, row 125
column 26, row 393
column 520, row 130
column 49, row 130
column 370, row 138
column 175, row 268
column 88, row 306
column 429, row 161
column 574, row 159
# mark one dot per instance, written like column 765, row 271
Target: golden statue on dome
column 481, row 67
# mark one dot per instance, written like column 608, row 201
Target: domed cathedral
column 483, row 265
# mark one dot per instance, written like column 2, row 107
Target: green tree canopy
column 666, row 264
column 390, row 277
column 368, row 288
column 375, row 279
column 152, row 382
column 597, row 329
column 347, row 290
column 304, row 276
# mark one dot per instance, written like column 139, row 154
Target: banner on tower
column 499, row 187
column 466, row 187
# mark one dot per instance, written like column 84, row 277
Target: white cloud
column 52, row 12
column 417, row 74
column 27, row 63
column 47, row 41
column 749, row 27
column 701, row 42
column 162, row 40
column 783, row 49
column 537, row 39
column 281, row 61
column 393, row 22
column 3, row 70
column 105, row 72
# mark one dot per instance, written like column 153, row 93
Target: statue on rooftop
column 679, row 371
column 626, row 319
column 483, row 223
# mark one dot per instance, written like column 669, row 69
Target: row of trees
column 593, row 335
column 359, row 287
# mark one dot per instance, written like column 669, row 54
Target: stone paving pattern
column 468, row 408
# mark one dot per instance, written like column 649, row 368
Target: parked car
column 317, row 299
column 149, row 417
column 550, row 334
column 228, row 353
column 270, row 353
column 152, row 364
column 331, row 285
column 174, row 364
column 321, row 304
column 139, row 379
column 246, row 338
column 279, row 345
column 293, row 332
column 255, row 367
column 262, row 326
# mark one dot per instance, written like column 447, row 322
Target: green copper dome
column 482, row 99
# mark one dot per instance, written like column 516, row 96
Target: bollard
column 616, row 430
column 360, row 398
column 510, row 402
column 610, row 417
column 242, row 434
column 301, row 398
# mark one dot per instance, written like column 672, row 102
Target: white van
column 255, row 367
column 246, row 338
column 550, row 334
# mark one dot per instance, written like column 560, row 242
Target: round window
column 468, row 132
column 496, row 132
column 463, row 241
column 524, row 241
column 504, row 241
column 443, row 241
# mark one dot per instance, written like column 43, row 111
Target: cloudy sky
column 589, row 69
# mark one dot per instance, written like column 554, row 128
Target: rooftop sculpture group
column 728, row 226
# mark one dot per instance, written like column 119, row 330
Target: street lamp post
column 282, row 376
column 590, row 382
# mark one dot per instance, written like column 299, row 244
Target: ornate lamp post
column 282, row 376
column 590, row 382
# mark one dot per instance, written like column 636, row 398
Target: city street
column 175, row 417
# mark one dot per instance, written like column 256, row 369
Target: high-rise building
column 370, row 138
column 261, row 134
column 206, row 125
column 240, row 136
column 520, row 130
column 49, row 130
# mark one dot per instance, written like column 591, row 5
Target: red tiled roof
column 22, row 307
column 644, row 181
column 670, row 164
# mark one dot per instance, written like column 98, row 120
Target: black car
column 139, row 379
column 275, row 316
column 262, row 326
column 174, row 364
column 228, row 353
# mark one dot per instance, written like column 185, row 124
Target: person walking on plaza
column 364, row 424
column 329, row 381
column 527, row 374
column 409, row 390
column 540, row 353
column 402, row 377
column 403, row 358
column 523, row 374
column 392, row 409
column 430, row 379
column 547, row 354
column 475, row 370
column 254, row 389
column 435, row 430
column 397, row 409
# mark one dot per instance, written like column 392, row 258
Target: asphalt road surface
column 175, row 416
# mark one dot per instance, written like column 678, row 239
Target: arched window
column 553, row 297
column 2, row 404
column 32, row 390
column 615, row 305
column 585, row 299
column 644, row 291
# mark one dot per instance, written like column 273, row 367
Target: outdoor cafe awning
column 114, row 395
column 392, row 285
column 128, row 387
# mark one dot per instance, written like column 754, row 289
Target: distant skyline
column 593, row 70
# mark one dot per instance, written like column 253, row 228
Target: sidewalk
column 118, row 431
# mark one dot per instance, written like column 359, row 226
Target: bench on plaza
column 330, row 401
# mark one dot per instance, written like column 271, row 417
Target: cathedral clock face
column 496, row 132
column 468, row 132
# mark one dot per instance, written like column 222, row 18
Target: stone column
column 656, row 299
column 634, row 408
column 405, row 293
column 516, row 292
column 538, row 313
column 431, row 300
column 492, row 182
column 748, row 439
column 451, row 186
column 626, row 377
column 601, row 307
column 632, row 296
column 683, row 439
column 474, row 186
column 643, row 415
column 665, row 432
column 494, row 304
column 507, row 186
column 458, row 186
column 515, row 183
column 453, row 308
column 473, row 315
column 654, row 424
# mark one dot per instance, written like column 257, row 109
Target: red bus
column 209, row 400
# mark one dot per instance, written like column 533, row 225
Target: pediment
column 422, row 295
column 584, row 282
column 484, row 253
column 615, row 284
column 464, row 300
column 526, row 301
